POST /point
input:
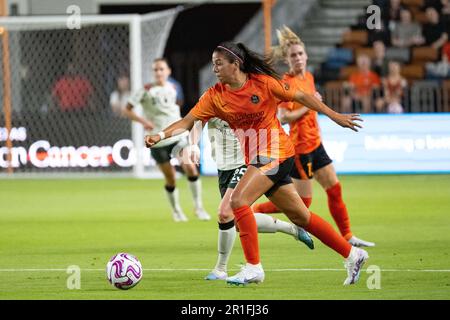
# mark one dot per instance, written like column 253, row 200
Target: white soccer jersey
column 225, row 147
column 159, row 106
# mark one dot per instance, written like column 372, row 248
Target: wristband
column 162, row 135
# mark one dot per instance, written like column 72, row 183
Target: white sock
column 196, row 190
column 258, row 266
column 267, row 224
column 352, row 254
column 174, row 199
column 224, row 247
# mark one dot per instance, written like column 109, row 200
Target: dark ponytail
column 249, row 61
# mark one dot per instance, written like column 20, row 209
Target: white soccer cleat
column 248, row 274
column 354, row 264
column 354, row 241
column 179, row 216
column 202, row 214
column 216, row 275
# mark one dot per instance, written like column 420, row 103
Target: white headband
column 234, row 54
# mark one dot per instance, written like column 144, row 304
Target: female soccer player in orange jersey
column 311, row 159
column 246, row 96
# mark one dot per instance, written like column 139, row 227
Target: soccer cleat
column 354, row 241
column 179, row 216
column 216, row 275
column 202, row 214
column 304, row 237
column 354, row 264
column 248, row 274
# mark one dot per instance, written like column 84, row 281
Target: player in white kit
column 158, row 101
column 226, row 152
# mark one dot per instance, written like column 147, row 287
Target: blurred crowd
column 377, row 69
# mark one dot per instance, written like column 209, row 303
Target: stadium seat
column 367, row 51
column 398, row 54
column 425, row 95
column 412, row 3
column 413, row 9
column 351, row 46
column 413, row 71
column 345, row 72
column 424, row 54
column 420, row 17
column 358, row 37
column 339, row 57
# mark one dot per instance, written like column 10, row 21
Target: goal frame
column 134, row 22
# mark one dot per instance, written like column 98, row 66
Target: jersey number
column 238, row 173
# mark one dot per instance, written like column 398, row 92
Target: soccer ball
column 124, row 271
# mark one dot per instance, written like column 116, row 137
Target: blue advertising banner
column 408, row 143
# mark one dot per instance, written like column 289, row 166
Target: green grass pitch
column 48, row 225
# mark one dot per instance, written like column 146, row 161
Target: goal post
column 62, row 127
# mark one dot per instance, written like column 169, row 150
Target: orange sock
column 307, row 201
column 339, row 210
column 325, row 233
column 248, row 233
column 265, row 207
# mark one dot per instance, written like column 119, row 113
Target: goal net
column 60, row 92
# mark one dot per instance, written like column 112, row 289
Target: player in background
column 311, row 159
column 246, row 97
column 226, row 152
column 158, row 101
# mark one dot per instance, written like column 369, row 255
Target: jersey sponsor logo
column 244, row 116
column 254, row 99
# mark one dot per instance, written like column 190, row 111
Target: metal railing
column 421, row 96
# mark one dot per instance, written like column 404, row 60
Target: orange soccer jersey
column 305, row 131
column 252, row 112
column 364, row 82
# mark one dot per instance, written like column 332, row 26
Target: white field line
column 196, row 269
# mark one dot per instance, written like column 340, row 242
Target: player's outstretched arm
column 191, row 153
column 130, row 114
column 287, row 116
column 344, row 120
column 174, row 129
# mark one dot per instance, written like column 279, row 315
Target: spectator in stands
column 389, row 10
column 379, row 62
column 436, row 4
column 118, row 99
column 406, row 33
column 440, row 70
column 445, row 14
column 434, row 30
column 72, row 91
column 445, row 7
column 394, row 86
column 380, row 34
column 393, row 13
column 446, row 51
column 360, row 86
